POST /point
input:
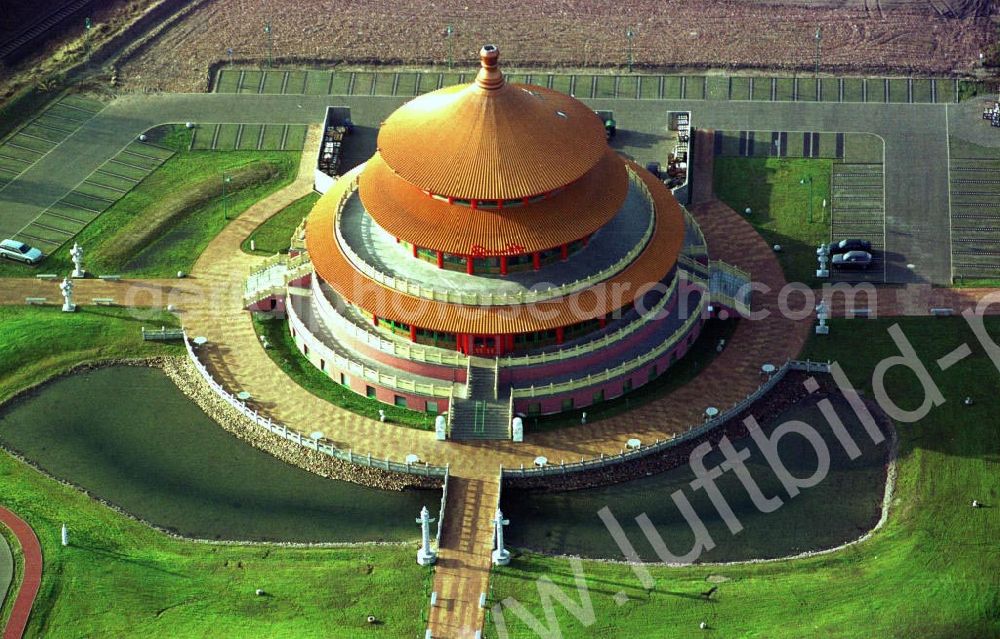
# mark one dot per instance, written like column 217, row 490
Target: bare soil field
column 894, row 36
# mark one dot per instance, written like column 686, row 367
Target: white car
column 14, row 250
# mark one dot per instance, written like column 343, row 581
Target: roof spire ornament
column 490, row 76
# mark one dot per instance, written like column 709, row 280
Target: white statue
column 501, row 556
column 65, row 535
column 425, row 556
column 67, row 292
column 822, row 314
column 77, row 254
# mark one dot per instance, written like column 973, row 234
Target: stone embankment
column 183, row 373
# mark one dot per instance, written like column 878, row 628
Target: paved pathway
column 30, row 580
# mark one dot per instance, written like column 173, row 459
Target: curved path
column 32, row 578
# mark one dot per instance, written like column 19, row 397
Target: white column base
column 78, row 274
column 69, row 308
column 501, row 557
column 822, row 272
column 822, row 330
column 426, row 558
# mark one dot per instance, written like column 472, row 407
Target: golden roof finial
column 490, row 76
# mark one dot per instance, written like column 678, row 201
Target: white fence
column 693, row 432
column 338, row 323
column 319, row 445
column 359, row 369
column 623, row 368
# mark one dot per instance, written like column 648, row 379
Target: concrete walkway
column 30, row 580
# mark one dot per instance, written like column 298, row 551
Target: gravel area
column 914, row 37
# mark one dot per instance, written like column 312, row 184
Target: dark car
column 852, row 260
column 843, row 246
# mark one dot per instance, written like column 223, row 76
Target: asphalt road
column 916, row 172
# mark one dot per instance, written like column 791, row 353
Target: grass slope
column 286, row 355
column 274, row 235
column 772, row 188
column 39, row 342
column 119, row 578
column 933, row 571
column 163, row 224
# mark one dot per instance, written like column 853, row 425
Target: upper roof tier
column 492, row 140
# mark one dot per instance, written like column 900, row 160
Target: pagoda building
column 495, row 257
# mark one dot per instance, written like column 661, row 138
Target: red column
column 586, row 240
column 413, row 333
column 440, row 256
column 459, row 342
column 536, row 260
column 564, row 252
column 470, row 264
column 510, row 342
column 375, row 320
column 414, row 250
column 503, row 265
column 602, row 321
column 397, row 240
column 560, row 335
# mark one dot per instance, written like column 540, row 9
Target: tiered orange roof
column 651, row 266
column 410, row 214
column 491, row 139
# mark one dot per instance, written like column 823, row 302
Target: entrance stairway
column 482, row 416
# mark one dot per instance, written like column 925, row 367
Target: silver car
column 14, row 250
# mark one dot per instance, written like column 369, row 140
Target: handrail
column 336, row 320
column 444, row 502
column 495, row 299
column 496, row 378
column 621, row 369
column 319, row 445
column 694, row 431
column 601, row 342
column 510, row 417
column 359, row 368
column 451, row 411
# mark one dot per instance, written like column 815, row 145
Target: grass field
column 120, row 578
column 772, row 188
column 158, row 228
column 285, row 354
column 274, row 235
column 930, row 572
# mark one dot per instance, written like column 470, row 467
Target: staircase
column 481, row 416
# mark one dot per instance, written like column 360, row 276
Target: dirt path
column 30, row 580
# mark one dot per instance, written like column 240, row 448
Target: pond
column 128, row 435
column 840, row 508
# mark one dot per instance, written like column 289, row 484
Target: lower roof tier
column 651, row 266
column 574, row 212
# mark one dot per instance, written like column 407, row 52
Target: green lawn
column 286, row 355
column 38, row 342
column 930, row 572
column 772, row 188
column 274, row 235
column 120, row 578
column 159, row 227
